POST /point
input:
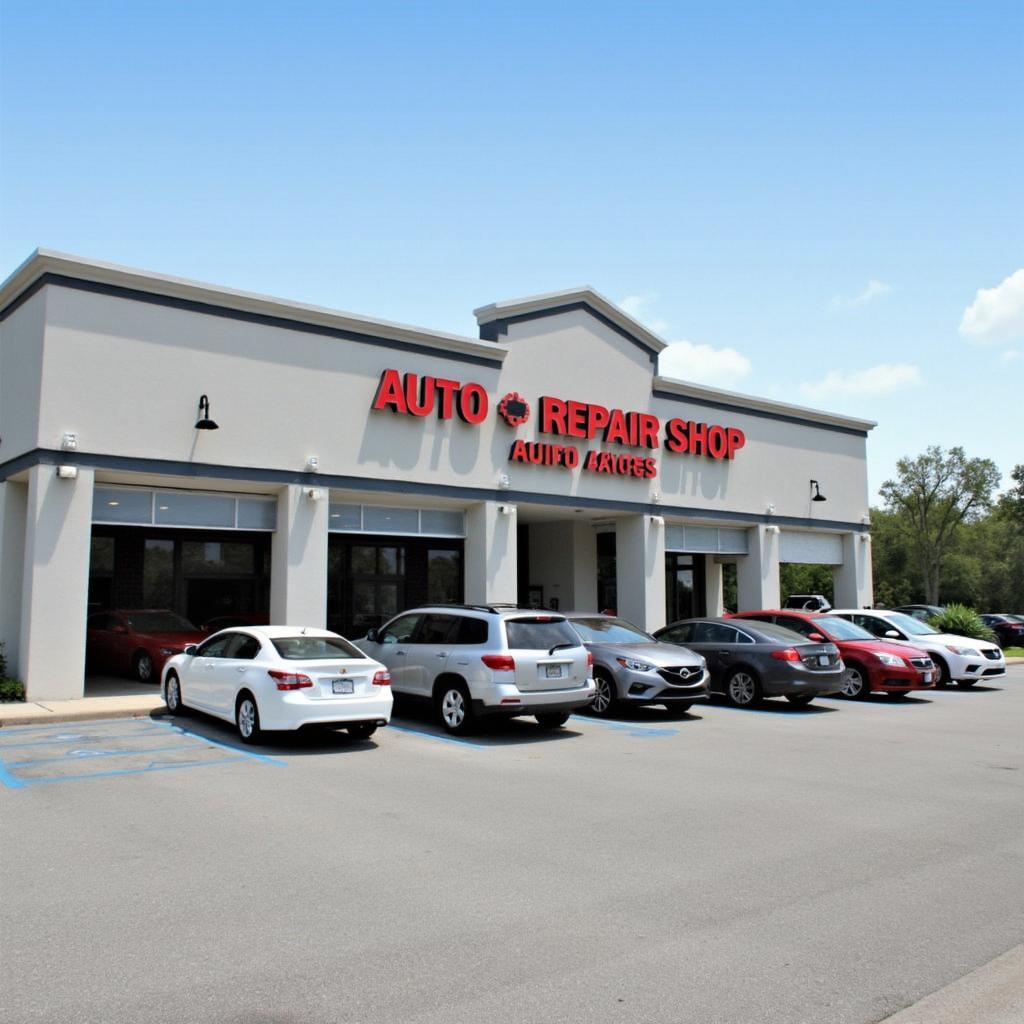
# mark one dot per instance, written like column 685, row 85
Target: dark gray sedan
column 753, row 660
column 631, row 667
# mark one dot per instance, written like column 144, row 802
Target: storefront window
column 158, row 574
column 444, row 576
column 217, row 558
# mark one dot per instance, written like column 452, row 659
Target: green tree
column 933, row 495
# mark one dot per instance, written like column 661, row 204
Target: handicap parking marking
column 423, row 734
column 56, row 754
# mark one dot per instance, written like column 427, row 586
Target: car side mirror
column 371, row 635
column 190, row 650
column 891, row 634
column 817, row 637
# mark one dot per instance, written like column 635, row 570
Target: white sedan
column 280, row 677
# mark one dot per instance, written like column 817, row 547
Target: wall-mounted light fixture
column 771, row 528
column 69, row 442
column 865, row 538
column 204, row 422
column 817, row 496
column 507, row 510
column 67, row 472
column 503, row 482
column 866, row 519
column 314, row 494
column 656, row 498
column 312, row 463
column 657, row 520
column 771, row 508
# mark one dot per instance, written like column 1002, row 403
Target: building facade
column 359, row 466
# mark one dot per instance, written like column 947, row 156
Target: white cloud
column 636, row 307
column 871, row 291
column 1009, row 355
column 876, row 380
column 997, row 314
column 702, row 364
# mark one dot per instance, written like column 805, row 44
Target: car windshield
column 610, row 631
column 160, row 622
column 315, row 648
column 539, row 633
column 911, row 625
column 842, row 629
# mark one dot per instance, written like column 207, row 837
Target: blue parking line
column 265, row 758
column 70, row 737
column 86, row 754
column 124, row 771
column 633, row 728
column 9, row 780
column 434, row 736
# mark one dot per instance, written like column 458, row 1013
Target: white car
column 280, row 677
column 957, row 659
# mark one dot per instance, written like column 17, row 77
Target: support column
column 13, row 507
column 55, row 584
column 757, row 573
column 640, row 570
column 491, row 554
column 298, row 559
column 852, row 581
column 714, row 599
column 563, row 560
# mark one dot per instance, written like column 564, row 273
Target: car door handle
column 724, row 653
column 241, row 668
column 399, row 654
column 442, row 654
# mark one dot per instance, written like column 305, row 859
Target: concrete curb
column 993, row 994
column 83, row 710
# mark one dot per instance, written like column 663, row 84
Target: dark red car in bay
column 137, row 643
column 872, row 665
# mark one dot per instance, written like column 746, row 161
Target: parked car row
column 473, row 662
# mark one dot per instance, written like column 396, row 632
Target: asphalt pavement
column 831, row 864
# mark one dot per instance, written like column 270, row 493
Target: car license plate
column 823, row 659
column 553, row 671
column 342, row 685
column 927, row 677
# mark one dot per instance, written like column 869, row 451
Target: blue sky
column 804, row 198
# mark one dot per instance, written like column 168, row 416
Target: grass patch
column 1013, row 652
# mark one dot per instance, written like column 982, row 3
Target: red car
column 872, row 665
column 137, row 643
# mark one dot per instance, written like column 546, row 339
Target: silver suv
column 478, row 660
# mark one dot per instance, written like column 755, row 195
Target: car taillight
column 499, row 662
column 290, row 680
column 382, row 678
column 789, row 654
column 590, row 660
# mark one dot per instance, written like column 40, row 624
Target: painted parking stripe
column 439, row 739
column 86, row 754
column 69, row 737
column 127, row 771
column 265, row 758
column 633, row 728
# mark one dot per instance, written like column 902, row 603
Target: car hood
column 948, row 640
column 907, row 650
column 658, row 654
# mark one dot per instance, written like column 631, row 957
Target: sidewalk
column 993, row 994
column 81, row 710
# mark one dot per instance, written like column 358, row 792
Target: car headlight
column 964, row 652
column 891, row 659
column 635, row 666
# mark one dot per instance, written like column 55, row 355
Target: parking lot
column 834, row 863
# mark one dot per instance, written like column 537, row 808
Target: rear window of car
column 598, row 630
column 539, row 633
column 314, row 648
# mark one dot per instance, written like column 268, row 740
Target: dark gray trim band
column 782, row 417
column 203, row 470
column 495, row 329
column 265, row 319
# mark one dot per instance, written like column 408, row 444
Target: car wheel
column 247, row 718
column 605, row 700
column 941, row 673
column 361, row 730
column 801, row 700
column 552, row 721
column 173, row 695
column 743, row 689
column 142, row 666
column 855, row 683
column 454, row 710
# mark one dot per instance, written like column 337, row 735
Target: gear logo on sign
column 514, row 409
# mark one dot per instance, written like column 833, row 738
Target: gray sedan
column 752, row 660
column 632, row 667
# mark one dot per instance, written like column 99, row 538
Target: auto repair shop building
column 359, row 467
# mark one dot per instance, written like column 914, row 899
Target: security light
column 818, row 496
column 204, row 422
column 67, row 472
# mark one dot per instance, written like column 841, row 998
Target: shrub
column 10, row 689
column 960, row 620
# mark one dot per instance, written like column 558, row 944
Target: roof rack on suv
column 494, row 609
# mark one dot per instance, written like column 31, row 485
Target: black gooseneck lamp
column 204, row 422
column 817, row 496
